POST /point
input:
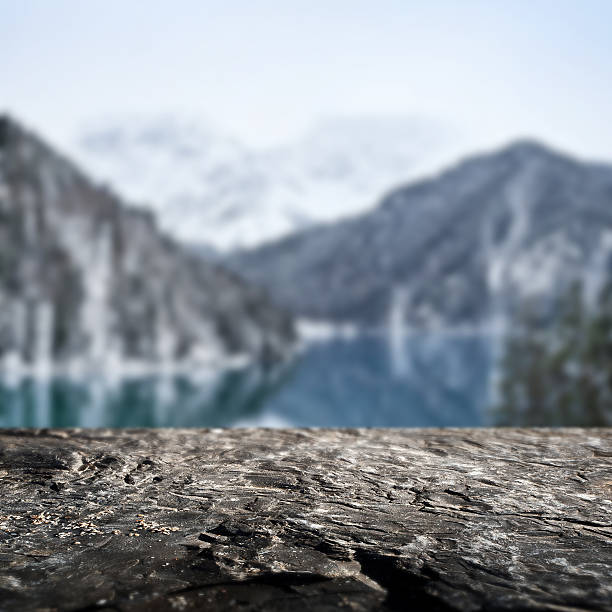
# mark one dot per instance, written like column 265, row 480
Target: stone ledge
column 451, row 519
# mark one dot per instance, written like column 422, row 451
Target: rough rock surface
column 306, row 519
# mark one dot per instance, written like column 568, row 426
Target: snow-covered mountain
column 208, row 188
column 468, row 247
column 86, row 281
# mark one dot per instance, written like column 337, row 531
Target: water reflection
column 139, row 402
column 439, row 380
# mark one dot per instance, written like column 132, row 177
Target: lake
column 426, row 380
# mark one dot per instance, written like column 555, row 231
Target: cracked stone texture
column 295, row 520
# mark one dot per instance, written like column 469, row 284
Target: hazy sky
column 265, row 70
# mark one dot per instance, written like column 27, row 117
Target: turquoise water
column 426, row 381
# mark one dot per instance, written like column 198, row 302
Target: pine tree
column 560, row 373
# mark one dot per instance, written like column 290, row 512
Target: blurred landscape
column 382, row 268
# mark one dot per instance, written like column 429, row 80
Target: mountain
column 85, row 279
column 209, row 188
column 467, row 247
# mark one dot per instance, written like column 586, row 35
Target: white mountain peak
column 208, row 188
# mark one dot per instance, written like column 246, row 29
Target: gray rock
column 306, row 519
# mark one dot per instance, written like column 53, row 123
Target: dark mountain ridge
column 467, row 247
column 86, row 279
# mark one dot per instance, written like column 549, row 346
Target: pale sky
column 266, row 70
